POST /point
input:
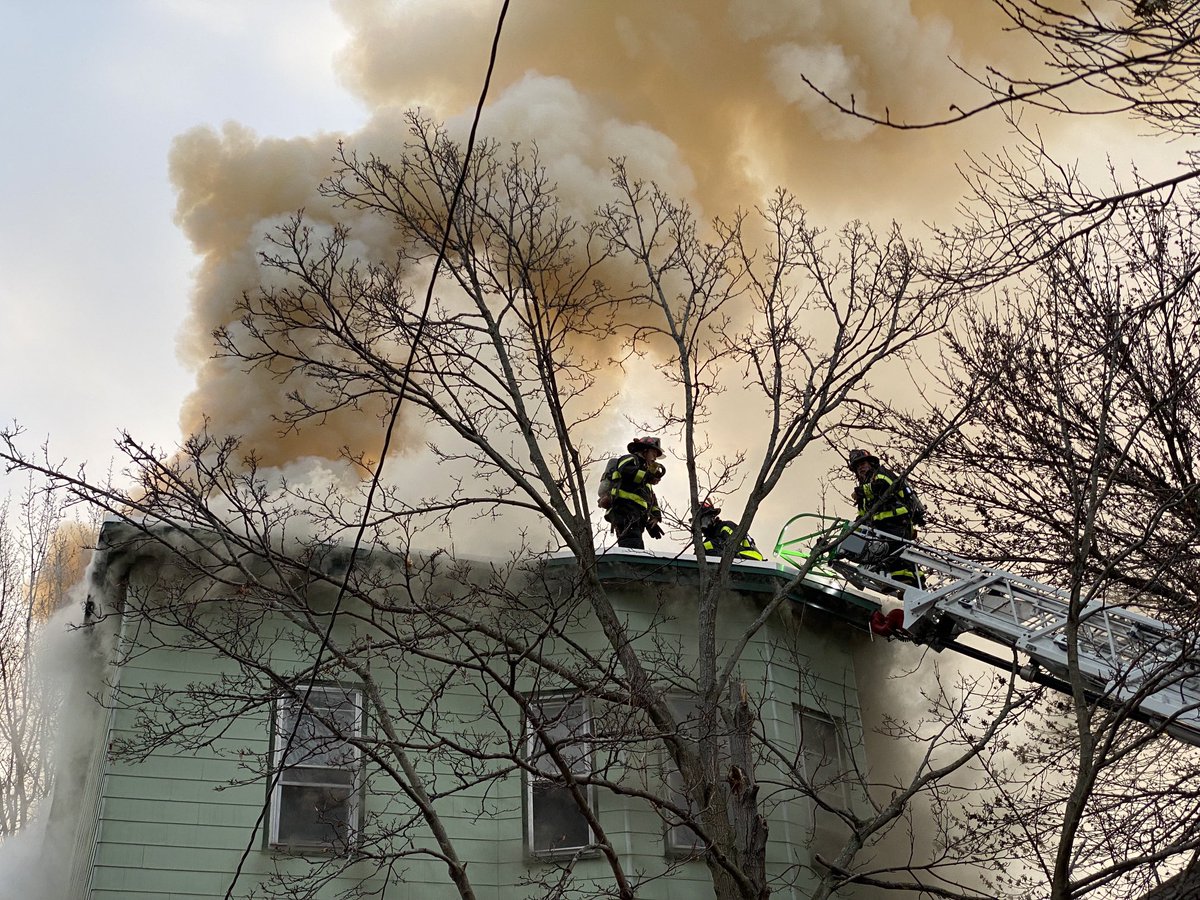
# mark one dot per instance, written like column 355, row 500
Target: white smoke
column 69, row 662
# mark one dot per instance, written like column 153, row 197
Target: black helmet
column 707, row 511
column 857, row 456
column 645, row 443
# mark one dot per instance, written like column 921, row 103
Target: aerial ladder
column 1125, row 658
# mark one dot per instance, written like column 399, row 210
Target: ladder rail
column 1124, row 656
column 1129, row 657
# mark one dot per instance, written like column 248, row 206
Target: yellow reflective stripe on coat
column 638, row 477
column 619, row 494
column 868, row 494
column 744, row 553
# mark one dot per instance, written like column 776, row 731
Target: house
column 1183, row 886
column 387, row 729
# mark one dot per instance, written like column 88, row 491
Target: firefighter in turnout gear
column 717, row 531
column 889, row 505
column 632, row 505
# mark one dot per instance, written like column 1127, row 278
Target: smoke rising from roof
column 719, row 78
column 702, row 96
column 67, row 671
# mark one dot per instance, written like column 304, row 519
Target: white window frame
column 283, row 781
column 823, row 833
column 680, row 840
column 553, row 710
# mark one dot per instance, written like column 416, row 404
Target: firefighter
column 717, row 531
column 889, row 505
column 633, row 507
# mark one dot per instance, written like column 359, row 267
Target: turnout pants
column 629, row 523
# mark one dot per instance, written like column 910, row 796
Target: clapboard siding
column 177, row 824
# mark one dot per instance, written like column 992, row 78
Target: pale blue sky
column 94, row 275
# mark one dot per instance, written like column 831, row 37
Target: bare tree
column 1130, row 58
column 40, row 560
column 1078, row 466
column 504, row 365
column 1127, row 56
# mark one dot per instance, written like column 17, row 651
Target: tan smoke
column 232, row 190
column 68, row 553
column 718, row 78
column 703, row 96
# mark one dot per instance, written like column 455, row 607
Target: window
column 682, row 840
column 826, row 760
column 315, row 802
column 554, row 821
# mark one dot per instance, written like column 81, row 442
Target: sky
column 95, row 276
column 151, row 143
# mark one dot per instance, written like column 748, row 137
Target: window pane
column 680, row 838
column 825, row 757
column 567, row 727
column 326, row 777
column 557, row 822
column 313, row 815
column 314, row 744
column 822, row 748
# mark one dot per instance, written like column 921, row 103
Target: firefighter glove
column 654, row 530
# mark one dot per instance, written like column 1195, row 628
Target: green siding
column 176, row 824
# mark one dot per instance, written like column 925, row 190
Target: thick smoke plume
column 68, row 672
column 704, row 97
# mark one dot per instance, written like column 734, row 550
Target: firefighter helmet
column 645, row 443
column 857, row 456
column 705, row 512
